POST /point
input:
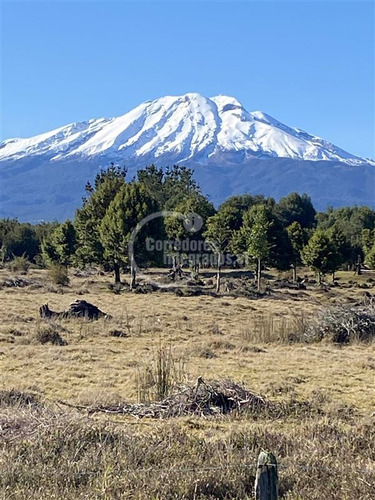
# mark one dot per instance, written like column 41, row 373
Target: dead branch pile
column 283, row 283
column 15, row 282
column 204, row 399
column 343, row 325
column 78, row 309
column 243, row 287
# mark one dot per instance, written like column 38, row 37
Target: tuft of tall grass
column 157, row 377
column 271, row 328
column 58, row 274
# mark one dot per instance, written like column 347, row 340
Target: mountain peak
column 190, row 127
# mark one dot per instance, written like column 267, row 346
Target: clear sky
column 308, row 64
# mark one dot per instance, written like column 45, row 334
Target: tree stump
column 266, row 482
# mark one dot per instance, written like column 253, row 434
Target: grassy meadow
column 324, row 438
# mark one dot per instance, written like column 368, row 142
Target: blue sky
column 308, row 64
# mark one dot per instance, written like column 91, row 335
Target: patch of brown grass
column 227, row 337
column 65, row 455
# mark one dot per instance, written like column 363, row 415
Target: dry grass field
column 48, row 450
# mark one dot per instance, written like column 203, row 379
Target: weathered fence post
column 266, row 477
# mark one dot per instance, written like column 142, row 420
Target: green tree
column 169, row 186
column 89, row 217
column 281, row 249
column 253, row 237
column 219, row 233
column 131, row 204
column 343, row 250
column 298, row 239
column 320, row 254
column 370, row 257
column 61, row 246
column 179, row 184
column 241, row 204
column 153, row 179
column 368, row 240
column 296, row 208
column 351, row 221
column 178, row 229
column 18, row 240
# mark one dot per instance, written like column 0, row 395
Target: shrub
column 59, row 274
column 19, row 264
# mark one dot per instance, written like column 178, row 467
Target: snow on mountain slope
column 179, row 129
column 231, row 151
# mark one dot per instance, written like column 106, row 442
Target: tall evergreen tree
column 179, row 184
column 60, row 247
column 169, row 186
column 153, row 179
column 281, row 249
column 368, row 238
column 351, row 221
column 89, row 217
column 131, row 205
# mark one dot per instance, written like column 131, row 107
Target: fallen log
column 77, row 309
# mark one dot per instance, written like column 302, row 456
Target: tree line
column 252, row 229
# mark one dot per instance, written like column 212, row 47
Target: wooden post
column 266, row 477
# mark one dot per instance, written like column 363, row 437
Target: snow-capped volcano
column 230, row 149
column 180, row 129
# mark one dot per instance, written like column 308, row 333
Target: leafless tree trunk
column 218, row 274
column 133, row 274
column 116, row 269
